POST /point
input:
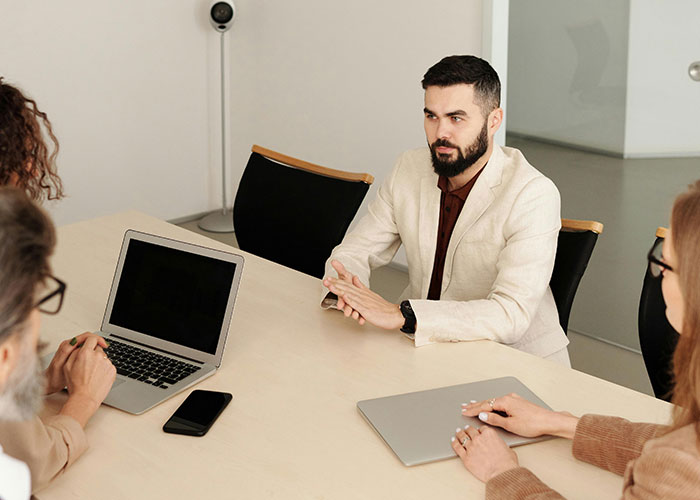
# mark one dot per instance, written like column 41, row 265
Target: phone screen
column 197, row 413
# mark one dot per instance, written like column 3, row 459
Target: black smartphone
column 197, row 413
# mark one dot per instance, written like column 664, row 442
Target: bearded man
column 479, row 225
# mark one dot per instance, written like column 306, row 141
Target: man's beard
column 23, row 394
column 464, row 160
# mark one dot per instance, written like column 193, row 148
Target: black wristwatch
column 409, row 325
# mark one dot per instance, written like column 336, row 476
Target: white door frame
column 494, row 48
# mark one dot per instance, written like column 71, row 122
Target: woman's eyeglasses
column 655, row 257
column 51, row 302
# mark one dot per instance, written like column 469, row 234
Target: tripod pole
column 220, row 222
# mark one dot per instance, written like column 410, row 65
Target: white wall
column 567, row 66
column 338, row 83
column 662, row 101
column 125, row 85
column 132, row 89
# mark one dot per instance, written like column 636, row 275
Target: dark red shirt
column 451, row 204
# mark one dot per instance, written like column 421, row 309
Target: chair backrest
column 293, row 212
column 577, row 238
column 657, row 338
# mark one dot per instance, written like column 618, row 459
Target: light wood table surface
column 296, row 372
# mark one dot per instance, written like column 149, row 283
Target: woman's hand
column 523, row 417
column 55, row 378
column 483, row 453
column 89, row 376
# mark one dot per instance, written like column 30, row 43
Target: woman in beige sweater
column 657, row 461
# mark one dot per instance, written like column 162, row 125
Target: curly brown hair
column 25, row 161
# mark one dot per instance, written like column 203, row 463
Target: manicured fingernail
column 458, row 429
column 107, row 342
column 465, row 404
column 452, row 439
column 466, row 427
column 483, row 416
column 73, row 341
column 473, row 401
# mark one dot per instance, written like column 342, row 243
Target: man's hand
column 55, row 377
column 89, row 376
column 346, row 276
column 363, row 304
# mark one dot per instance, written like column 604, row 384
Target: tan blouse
column 47, row 446
column 665, row 467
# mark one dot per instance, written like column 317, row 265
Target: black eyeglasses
column 656, row 265
column 51, row 303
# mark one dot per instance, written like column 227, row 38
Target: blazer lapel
column 428, row 220
column 479, row 199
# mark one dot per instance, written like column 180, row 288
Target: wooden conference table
column 296, row 372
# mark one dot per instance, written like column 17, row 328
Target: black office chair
column 293, row 212
column 577, row 238
column 657, row 338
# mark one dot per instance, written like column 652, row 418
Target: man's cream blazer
column 499, row 259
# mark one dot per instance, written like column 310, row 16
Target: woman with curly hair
column 25, row 159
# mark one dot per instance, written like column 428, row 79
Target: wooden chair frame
column 311, row 167
column 573, row 225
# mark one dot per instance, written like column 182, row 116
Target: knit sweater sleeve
column 606, row 442
column 519, row 484
column 611, row 442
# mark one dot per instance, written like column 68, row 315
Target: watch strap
column 409, row 325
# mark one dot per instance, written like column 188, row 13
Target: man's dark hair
column 27, row 239
column 471, row 70
column 25, row 158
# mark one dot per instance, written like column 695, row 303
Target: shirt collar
column 461, row 193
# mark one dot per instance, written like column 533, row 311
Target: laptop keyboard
column 146, row 366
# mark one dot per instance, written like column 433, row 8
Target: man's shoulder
column 517, row 171
column 415, row 160
column 416, row 154
column 410, row 168
column 514, row 160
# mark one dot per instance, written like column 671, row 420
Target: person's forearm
column 80, row 407
column 449, row 320
column 563, row 424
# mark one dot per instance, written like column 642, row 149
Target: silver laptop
column 418, row 426
column 167, row 317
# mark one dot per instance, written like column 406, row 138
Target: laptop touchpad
column 117, row 382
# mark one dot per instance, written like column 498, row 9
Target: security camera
column 221, row 15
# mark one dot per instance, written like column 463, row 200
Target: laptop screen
column 173, row 295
